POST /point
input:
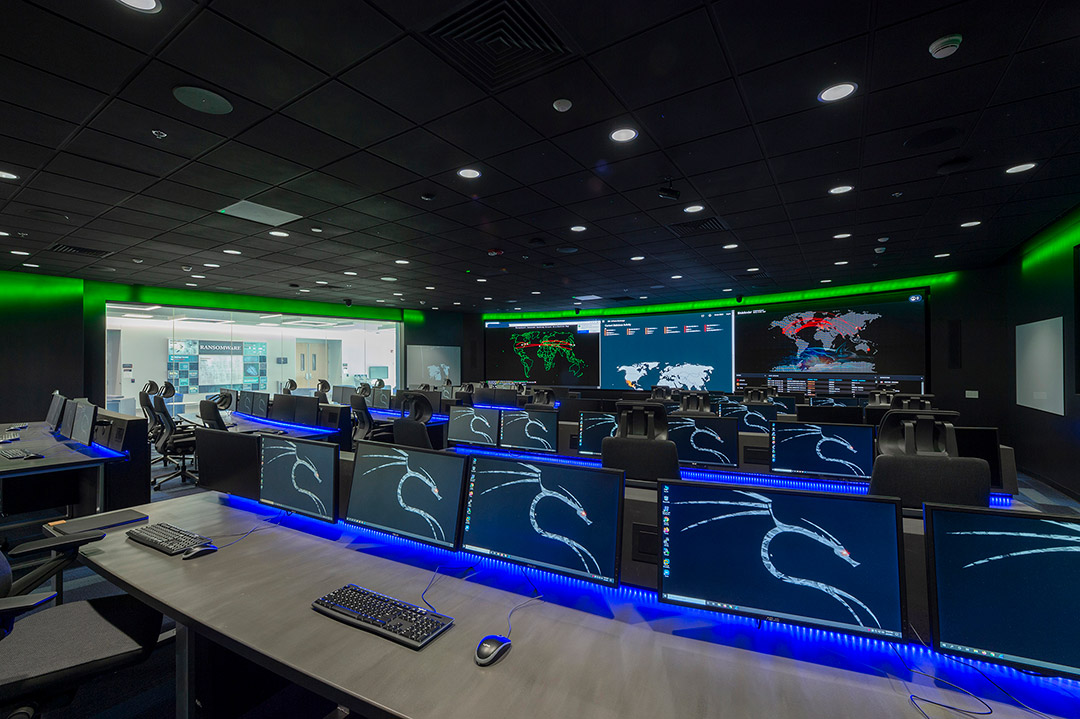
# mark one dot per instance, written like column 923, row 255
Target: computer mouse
column 31, row 455
column 491, row 649
column 199, row 551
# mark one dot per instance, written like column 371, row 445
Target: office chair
column 542, row 398
column 424, row 387
column 939, row 480
column 321, row 396
column 153, row 427
column 211, row 415
column 364, row 390
column 411, row 433
column 660, row 391
column 645, row 419
column 416, row 407
column 918, row 432
column 323, row 385
column 644, row 460
column 167, row 390
column 289, row 386
column 902, row 401
column 695, row 403
column 173, row 444
column 47, row 655
column 365, row 427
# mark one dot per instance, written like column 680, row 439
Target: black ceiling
column 348, row 112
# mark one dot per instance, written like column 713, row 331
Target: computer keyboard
column 393, row 619
column 18, row 454
column 167, row 538
column 8, row 436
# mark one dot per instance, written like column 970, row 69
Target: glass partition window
column 202, row 352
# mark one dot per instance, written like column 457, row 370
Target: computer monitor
column 752, row 417
column 707, row 440
column 68, row 418
column 244, row 402
column 827, row 560
column 593, row 427
column 1003, row 587
column 416, row 493
column 56, row 407
column 783, row 404
column 305, row 410
column 260, row 404
column 283, row 408
column 82, row 430
column 536, row 430
column 550, row 516
column 299, row 475
column 469, row 425
column 342, row 394
column 836, row 450
column 380, row 398
column 228, row 462
column 837, row 402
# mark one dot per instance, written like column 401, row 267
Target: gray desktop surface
column 253, row 425
column 615, row 660
column 58, row 453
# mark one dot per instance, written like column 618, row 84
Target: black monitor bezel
column 790, row 473
column 254, row 399
column 709, row 416
column 335, row 500
column 531, row 564
column 807, row 622
column 54, row 425
column 240, row 397
column 289, row 400
column 932, row 586
column 503, row 412
column 303, row 399
column 453, row 547
column 201, row 480
column 93, row 422
column 581, row 416
column 455, row 442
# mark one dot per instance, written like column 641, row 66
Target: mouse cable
column 432, row 581
column 985, row 675
column 915, row 698
column 257, row 528
column 537, row 597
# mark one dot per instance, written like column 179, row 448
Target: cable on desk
column 538, row 597
column 432, row 581
column 915, row 698
column 257, row 528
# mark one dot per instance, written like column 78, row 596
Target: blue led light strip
column 706, row 475
column 797, row 641
column 108, row 452
column 388, row 413
column 306, row 428
column 498, row 407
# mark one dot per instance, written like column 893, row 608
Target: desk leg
column 100, row 505
column 185, row 673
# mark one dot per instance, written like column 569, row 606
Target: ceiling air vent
column 698, row 226
column 80, row 251
column 498, row 42
column 624, row 298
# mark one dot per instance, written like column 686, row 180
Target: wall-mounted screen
column 1040, row 365
column 684, row 351
column 557, row 353
column 213, row 365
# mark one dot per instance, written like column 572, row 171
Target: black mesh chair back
column 542, row 397
column 364, row 390
column 364, row 421
column 151, row 387
column 211, row 415
column 695, row 403
column 660, row 391
column 321, row 396
column 643, row 460
column 416, row 406
column 153, row 426
column 918, row 432
column 288, row 387
column 410, row 433
column 647, row 420
column 168, row 426
column 939, row 480
column 323, row 386
column 167, row 390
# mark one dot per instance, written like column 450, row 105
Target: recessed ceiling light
column 842, row 236
column 434, row 308
column 730, row 246
column 380, row 300
column 883, row 239
column 943, row 254
column 7, row 176
column 577, row 303
column 4, row 234
column 305, row 290
column 840, row 262
column 637, row 258
column 147, row 6
column 753, row 269
column 401, row 262
column 535, row 293
column 973, row 223
column 266, row 317
column 837, row 92
column 198, row 277
column 623, row 134
column 457, row 303
column 232, row 252
column 321, row 282
column 562, row 105
column 693, row 208
column 28, row 264
column 20, row 252
column 350, row 273
column 487, row 298
column 516, row 308
column 279, row 233
column 1020, row 168
column 577, row 228
column 388, row 279
column 727, row 289
column 676, row 277
column 429, row 287
column 210, row 264
column 643, row 297
column 399, row 294
column 191, row 284
column 840, row 189
column 138, row 316
column 825, row 281
column 316, row 229
column 468, row 173
column 481, row 279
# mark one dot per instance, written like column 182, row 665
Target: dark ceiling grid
column 751, row 212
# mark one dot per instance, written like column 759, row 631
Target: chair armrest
column 69, row 541
column 13, row 606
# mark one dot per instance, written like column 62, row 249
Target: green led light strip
column 1056, row 241
column 909, row 283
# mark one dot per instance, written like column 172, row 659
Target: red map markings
column 545, row 343
column 817, row 322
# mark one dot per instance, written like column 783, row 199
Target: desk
column 595, row 654
column 59, row 456
column 252, row 425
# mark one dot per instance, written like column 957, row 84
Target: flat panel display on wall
column 432, row 364
column 200, row 366
column 1040, row 365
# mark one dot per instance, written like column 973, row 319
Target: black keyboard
column 8, row 436
column 167, row 538
column 17, row 454
column 398, row 621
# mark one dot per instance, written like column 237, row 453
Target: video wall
column 215, row 365
column 836, row 346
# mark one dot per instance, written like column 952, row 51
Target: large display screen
column 711, row 441
column 685, row 351
column 407, row 491
column 299, row 476
column 473, row 425
column 825, row 560
column 536, row 430
column 214, row 365
column 837, row 346
column 1003, row 587
column 839, row 450
column 554, row 517
column 559, row 354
